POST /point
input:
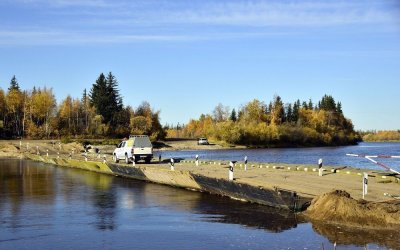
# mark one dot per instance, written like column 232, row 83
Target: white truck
column 137, row 147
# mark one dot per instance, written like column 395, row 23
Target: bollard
column 320, row 167
column 133, row 160
column 37, row 150
column 172, row 164
column 230, row 173
column 47, row 152
column 20, row 145
column 85, row 156
column 365, row 184
column 245, row 163
column 104, row 158
column 197, row 160
column 59, row 145
column 70, row 156
column 58, row 155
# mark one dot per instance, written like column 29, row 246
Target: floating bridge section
column 279, row 198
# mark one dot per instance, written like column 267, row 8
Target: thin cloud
column 280, row 14
column 102, row 21
column 66, row 3
column 29, row 38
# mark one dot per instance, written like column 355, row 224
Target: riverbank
column 286, row 186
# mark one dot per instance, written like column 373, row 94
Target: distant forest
column 384, row 135
column 100, row 113
column 274, row 125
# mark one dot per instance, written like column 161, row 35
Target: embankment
column 338, row 207
column 280, row 198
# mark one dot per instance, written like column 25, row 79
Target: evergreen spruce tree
column 114, row 99
column 310, row 104
column 85, row 106
column 304, row 105
column 296, row 107
column 14, row 84
column 339, row 108
column 104, row 96
column 233, row 115
column 328, row 103
column 289, row 113
column 99, row 97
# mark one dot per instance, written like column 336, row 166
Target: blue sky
column 185, row 57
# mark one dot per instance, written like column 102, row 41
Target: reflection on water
column 360, row 237
column 42, row 206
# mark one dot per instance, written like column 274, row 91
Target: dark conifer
column 233, row 115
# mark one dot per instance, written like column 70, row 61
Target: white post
column 58, row 155
column 230, row 176
column 320, row 167
column 197, row 160
column 47, row 152
column 245, row 163
column 20, row 145
column 85, row 156
column 37, row 150
column 365, row 184
column 172, row 164
column 133, row 161
column 104, row 158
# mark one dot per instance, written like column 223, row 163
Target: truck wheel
column 127, row 161
column 115, row 159
column 148, row 160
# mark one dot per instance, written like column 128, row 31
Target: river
column 332, row 156
column 47, row 207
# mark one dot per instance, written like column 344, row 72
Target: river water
column 332, row 156
column 47, row 207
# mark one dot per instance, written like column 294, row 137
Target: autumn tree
column 221, row 113
column 3, row 111
column 277, row 111
column 146, row 121
column 42, row 104
column 15, row 102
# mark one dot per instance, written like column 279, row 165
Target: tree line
column 98, row 114
column 274, row 125
column 379, row 136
